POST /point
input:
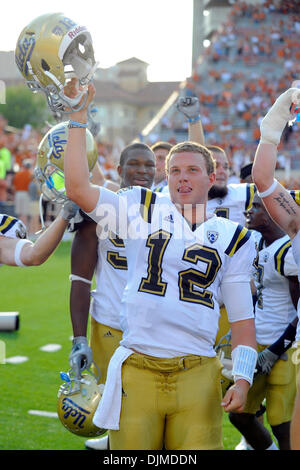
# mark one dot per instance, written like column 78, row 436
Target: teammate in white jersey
column 107, row 260
column 17, row 250
column 278, row 201
column 178, row 262
column 275, row 319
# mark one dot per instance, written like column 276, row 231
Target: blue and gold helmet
column 49, row 170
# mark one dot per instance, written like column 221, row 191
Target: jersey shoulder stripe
column 296, row 196
column 280, row 255
column 148, row 198
column 240, row 237
column 250, row 191
column 6, row 223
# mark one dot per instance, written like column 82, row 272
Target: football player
column 106, row 258
column 178, row 260
column 161, row 150
column 275, row 317
column 278, row 201
column 17, row 250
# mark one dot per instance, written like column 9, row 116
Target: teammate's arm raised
column 278, row 201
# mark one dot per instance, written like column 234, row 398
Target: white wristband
column 73, row 277
column 268, row 191
column 244, row 360
column 18, row 250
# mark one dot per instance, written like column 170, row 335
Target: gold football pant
column 279, row 389
column 104, row 341
column 171, row 403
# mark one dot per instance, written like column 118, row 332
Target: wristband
column 244, row 360
column 195, row 119
column 74, row 277
column 75, row 124
column 18, row 250
column 269, row 191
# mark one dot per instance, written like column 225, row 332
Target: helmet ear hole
column 45, row 66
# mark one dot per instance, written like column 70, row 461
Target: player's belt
column 167, row 364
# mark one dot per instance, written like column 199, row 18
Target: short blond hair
column 196, row 148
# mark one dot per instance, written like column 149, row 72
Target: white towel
column 107, row 415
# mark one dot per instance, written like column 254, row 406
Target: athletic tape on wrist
column 73, row 277
column 18, row 250
column 268, row 191
column 244, row 360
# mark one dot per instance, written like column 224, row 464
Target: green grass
column 41, row 296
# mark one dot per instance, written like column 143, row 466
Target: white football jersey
column 274, row 309
column 111, row 278
column 12, row 227
column 235, row 203
column 170, row 303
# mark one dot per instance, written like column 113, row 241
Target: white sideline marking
column 51, row 347
column 16, row 359
column 46, row 414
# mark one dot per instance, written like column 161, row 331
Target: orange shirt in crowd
column 22, row 179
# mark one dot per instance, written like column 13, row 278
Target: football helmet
column 49, row 170
column 77, row 402
column 12, row 227
column 50, row 50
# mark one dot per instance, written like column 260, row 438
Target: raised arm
column 16, row 252
column 78, row 186
column 190, row 108
column 277, row 200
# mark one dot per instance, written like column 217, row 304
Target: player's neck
column 270, row 236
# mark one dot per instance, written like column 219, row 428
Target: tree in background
column 24, row 107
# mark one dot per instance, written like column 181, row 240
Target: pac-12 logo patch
column 212, row 236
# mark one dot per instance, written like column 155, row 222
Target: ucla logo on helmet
column 212, row 236
column 25, row 49
column 57, row 142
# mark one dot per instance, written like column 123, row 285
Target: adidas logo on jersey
column 169, row 218
column 287, row 343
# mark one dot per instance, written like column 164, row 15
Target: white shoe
column 99, row 443
column 243, row 445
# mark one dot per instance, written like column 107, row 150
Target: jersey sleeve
column 112, row 212
column 241, row 252
column 284, row 260
column 250, row 191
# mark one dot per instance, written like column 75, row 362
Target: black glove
column 189, row 106
column 266, row 360
column 81, row 355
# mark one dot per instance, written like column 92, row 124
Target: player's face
column 257, row 217
column 138, row 169
column 160, row 157
column 222, row 169
column 188, row 179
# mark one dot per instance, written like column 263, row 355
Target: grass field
column 41, row 296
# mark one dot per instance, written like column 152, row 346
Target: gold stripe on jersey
column 7, row 223
column 147, row 203
column 240, row 237
column 296, row 196
column 250, row 191
column 280, row 256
